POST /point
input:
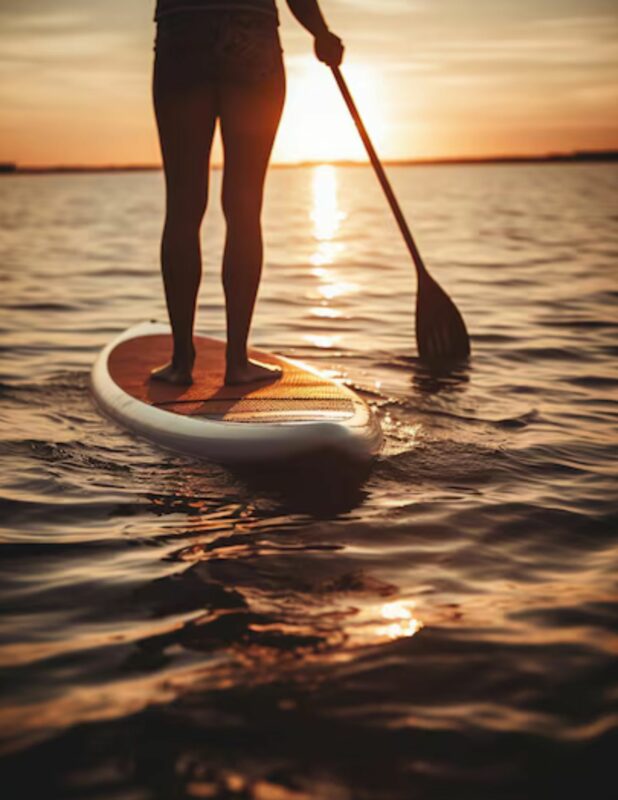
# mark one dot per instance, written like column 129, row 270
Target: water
column 170, row 630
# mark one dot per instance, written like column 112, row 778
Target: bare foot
column 169, row 373
column 252, row 371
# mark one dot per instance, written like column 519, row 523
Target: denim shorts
column 197, row 47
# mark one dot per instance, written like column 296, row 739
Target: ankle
column 183, row 357
column 236, row 359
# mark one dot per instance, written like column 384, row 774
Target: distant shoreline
column 577, row 156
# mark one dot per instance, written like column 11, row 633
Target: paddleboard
column 301, row 413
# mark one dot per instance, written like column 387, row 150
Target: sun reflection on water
column 401, row 621
column 323, row 342
column 329, row 291
column 325, row 212
column 327, row 216
column 324, row 312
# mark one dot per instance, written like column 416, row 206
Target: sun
column 316, row 125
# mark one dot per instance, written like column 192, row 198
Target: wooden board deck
column 298, row 395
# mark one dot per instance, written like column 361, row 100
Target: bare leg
column 186, row 120
column 249, row 120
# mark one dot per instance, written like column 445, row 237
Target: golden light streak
column 401, row 621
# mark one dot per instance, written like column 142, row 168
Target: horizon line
column 12, row 168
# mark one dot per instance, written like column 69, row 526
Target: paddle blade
column 441, row 333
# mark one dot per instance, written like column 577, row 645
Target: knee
column 184, row 218
column 241, row 207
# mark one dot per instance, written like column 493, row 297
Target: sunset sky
column 433, row 77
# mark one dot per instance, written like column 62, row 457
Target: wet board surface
column 298, row 413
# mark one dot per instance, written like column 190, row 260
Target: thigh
column 249, row 116
column 186, row 112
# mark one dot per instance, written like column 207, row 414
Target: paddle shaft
column 379, row 170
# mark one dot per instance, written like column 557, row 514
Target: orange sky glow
column 433, row 78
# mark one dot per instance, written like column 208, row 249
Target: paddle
column 440, row 330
